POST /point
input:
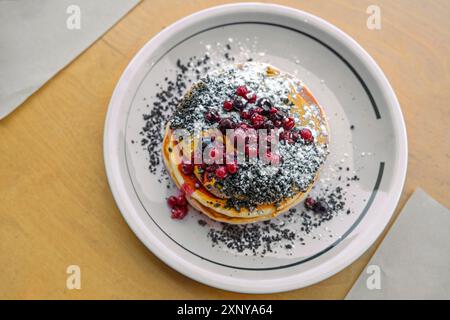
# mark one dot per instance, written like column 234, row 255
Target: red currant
column 306, row 135
column 221, row 172
column 242, row 91
column 288, row 123
column 228, row 105
column 231, row 168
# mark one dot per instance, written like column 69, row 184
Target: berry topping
column 257, row 120
column 231, row 167
column 221, row 172
column 285, row 136
column 228, row 105
column 306, row 135
column 225, row 124
column 288, row 123
column 310, row 203
column 212, row 116
column 251, row 97
column 181, row 201
column 245, row 115
column 172, row 201
column 279, row 115
column 273, row 110
column 244, row 126
column 257, row 110
column 242, row 91
column 277, row 123
column 179, row 213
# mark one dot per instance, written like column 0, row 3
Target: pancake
column 257, row 190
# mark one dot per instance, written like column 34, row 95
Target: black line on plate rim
column 354, row 225
column 361, row 81
column 366, row 208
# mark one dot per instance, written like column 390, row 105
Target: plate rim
column 152, row 242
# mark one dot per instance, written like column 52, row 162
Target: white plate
column 345, row 80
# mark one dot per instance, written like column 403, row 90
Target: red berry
column 273, row 110
column 179, row 213
column 306, row 135
column 242, row 91
column 251, row 98
column 245, row 115
column 172, row 201
column 257, row 110
column 228, row 105
column 310, row 203
column 232, row 168
column 294, row 135
column 181, row 200
column 284, row 135
column 257, row 120
column 212, row 116
column 244, row 126
column 221, row 172
column 277, row 123
column 288, row 123
column 187, row 168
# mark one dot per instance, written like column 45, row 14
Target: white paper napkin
column 39, row 38
column 413, row 261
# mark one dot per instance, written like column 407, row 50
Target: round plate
column 368, row 151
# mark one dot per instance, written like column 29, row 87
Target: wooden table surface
column 56, row 208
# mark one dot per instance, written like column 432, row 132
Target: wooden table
column 56, row 208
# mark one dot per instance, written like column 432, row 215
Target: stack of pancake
column 298, row 103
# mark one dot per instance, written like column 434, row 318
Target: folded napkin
column 39, row 38
column 413, row 261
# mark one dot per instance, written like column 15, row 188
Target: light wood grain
column 56, row 208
